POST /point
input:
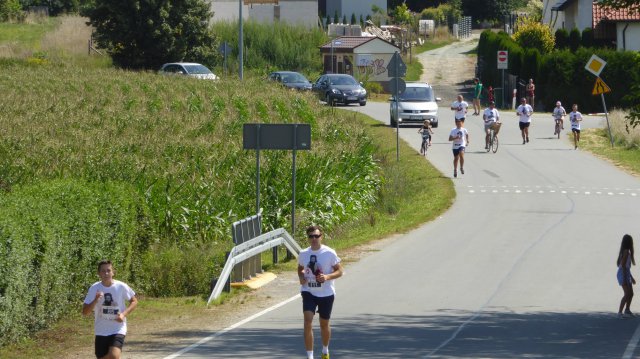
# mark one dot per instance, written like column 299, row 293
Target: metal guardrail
column 251, row 248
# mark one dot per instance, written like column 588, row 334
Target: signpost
column 595, row 65
column 503, row 64
column 225, row 50
column 297, row 136
column 396, row 69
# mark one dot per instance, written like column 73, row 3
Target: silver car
column 191, row 69
column 416, row 104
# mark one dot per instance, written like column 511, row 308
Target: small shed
column 365, row 58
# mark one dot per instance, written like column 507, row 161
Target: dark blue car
column 340, row 88
column 291, row 80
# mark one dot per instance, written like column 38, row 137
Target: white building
column 302, row 12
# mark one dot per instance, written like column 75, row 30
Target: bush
column 373, row 87
column 51, row 237
column 534, row 35
column 574, row 39
column 587, row 37
column 562, row 39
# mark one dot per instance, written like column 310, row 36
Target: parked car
column 416, row 104
column 290, row 79
column 340, row 88
column 188, row 69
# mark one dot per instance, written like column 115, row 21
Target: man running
column 460, row 108
column 575, row 117
column 524, row 111
column 318, row 267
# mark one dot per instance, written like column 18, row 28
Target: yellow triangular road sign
column 600, row 87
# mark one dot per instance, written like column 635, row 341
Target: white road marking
column 633, row 343
column 549, row 189
column 242, row 322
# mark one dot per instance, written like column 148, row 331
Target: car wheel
column 392, row 122
column 434, row 124
column 363, row 103
column 329, row 100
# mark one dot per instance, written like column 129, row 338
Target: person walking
column 318, row 267
column 459, row 106
column 625, row 279
column 531, row 93
column 558, row 115
column 490, row 116
column 106, row 299
column 460, row 137
column 524, row 111
column 575, row 118
column 477, row 94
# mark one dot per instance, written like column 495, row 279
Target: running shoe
column 527, row 139
column 325, row 356
column 461, row 170
column 455, row 173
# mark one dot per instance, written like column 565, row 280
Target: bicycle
column 425, row 144
column 558, row 127
column 493, row 137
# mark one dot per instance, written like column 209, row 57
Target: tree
column 402, row 15
column 562, row 39
column 488, row 9
column 336, row 19
column 575, row 38
column 353, row 18
column 530, row 34
column 57, row 7
column 144, row 34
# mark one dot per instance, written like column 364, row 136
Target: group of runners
column 491, row 118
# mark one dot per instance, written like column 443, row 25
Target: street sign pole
column 240, row 44
column 606, row 115
column 397, row 114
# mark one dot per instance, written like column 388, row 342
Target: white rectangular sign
column 503, row 60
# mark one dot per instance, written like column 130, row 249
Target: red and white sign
column 503, row 60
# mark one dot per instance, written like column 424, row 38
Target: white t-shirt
column 524, row 111
column 460, row 141
column 460, row 108
column 575, row 117
column 490, row 115
column 317, row 262
column 109, row 306
column 558, row 112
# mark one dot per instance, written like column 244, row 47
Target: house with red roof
column 621, row 27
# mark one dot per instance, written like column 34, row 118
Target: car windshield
column 293, row 78
column 417, row 94
column 197, row 69
column 343, row 80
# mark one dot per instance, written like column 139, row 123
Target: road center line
column 633, row 343
column 229, row 328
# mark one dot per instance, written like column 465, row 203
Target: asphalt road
column 522, row 265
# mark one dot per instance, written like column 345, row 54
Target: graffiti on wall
column 369, row 66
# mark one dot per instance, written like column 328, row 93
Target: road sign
column 224, row 49
column 401, row 86
column 396, row 67
column 600, row 87
column 276, row 136
column 595, row 65
column 503, row 60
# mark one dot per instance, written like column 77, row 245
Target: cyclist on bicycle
column 490, row 116
column 426, row 132
column 558, row 114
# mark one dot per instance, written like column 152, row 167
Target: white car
column 416, row 104
column 189, row 69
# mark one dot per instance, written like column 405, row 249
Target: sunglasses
column 315, row 235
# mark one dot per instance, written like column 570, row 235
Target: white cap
column 558, row 103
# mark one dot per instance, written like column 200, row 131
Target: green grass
column 597, row 141
column 27, row 35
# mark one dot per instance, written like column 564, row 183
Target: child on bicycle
column 558, row 115
column 491, row 116
column 426, row 132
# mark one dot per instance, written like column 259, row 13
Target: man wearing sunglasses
column 318, row 267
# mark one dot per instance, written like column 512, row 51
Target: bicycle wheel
column 494, row 143
column 490, row 144
column 558, row 129
column 425, row 146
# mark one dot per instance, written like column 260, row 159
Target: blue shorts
column 621, row 277
column 575, row 130
column 523, row 125
column 456, row 151
column 324, row 304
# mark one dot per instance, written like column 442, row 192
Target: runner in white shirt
column 318, row 268
column 460, row 137
column 575, row 118
column 524, row 111
column 106, row 299
column 460, row 108
column 490, row 117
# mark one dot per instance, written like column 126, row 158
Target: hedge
column 560, row 75
column 51, row 237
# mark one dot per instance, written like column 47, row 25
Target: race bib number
column 110, row 312
column 314, row 285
